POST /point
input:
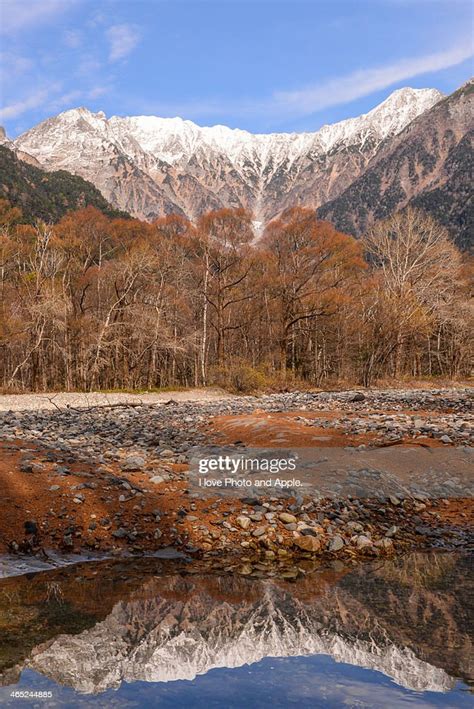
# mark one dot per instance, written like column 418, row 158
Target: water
column 162, row 633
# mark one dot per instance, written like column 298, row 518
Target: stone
column 245, row 570
column 354, row 527
column 394, row 500
column 336, row 543
column 289, row 574
column 157, row 479
column 392, row 531
column 286, row 518
column 133, row 463
column 53, row 488
column 362, row 542
column 445, row 439
column 243, row 522
column 308, row 531
column 30, row 527
column 307, row 543
column 29, row 466
column 259, row 532
column 120, row 533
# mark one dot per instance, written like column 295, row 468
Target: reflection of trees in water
column 419, row 570
column 54, row 591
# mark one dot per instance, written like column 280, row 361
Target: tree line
column 94, row 302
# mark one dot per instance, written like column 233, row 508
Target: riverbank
column 393, row 473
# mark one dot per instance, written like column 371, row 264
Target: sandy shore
column 80, row 400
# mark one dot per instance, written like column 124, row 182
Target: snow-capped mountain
column 428, row 165
column 153, row 621
column 172, row 635
column 152, row 166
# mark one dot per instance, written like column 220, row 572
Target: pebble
column 308, row 543
column 133, row 463
column 120, row 533
column 287, row 518
column 157, row 479
column 243, row 522
column 362, row 542
column 336, row 543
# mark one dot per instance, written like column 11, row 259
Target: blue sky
column 261, row 65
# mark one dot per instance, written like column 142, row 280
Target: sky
column 259, row 65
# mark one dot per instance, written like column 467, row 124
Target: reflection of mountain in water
column 406, row 619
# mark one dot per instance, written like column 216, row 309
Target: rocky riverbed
column 393, row 472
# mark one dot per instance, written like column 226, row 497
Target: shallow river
column 154, row 633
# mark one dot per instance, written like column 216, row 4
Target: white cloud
column 13, row 65
column 122, row 40
column 332, row 92
column 34, row 100
column 16, row 15
column 52, row 99
column 97, row 92
column 88, row 66
column 364, row 82
column 72, row 39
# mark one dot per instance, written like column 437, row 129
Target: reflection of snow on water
column 174, row 627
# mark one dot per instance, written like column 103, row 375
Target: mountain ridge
column 151, row 166
column 427, row 165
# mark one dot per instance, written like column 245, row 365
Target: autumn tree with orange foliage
column 310, row 265
column 99, row 303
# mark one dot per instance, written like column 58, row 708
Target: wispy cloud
column 336, row 91
column 122, row 40
column 51, row 98
column 34, row 100
column 16, row 15
column 73, row 39
column 13, row 65
column 364, row 82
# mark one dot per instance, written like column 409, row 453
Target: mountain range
column 414, row 148
column 405, row 618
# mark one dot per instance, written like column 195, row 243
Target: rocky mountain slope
column 427, row 165
column 45, row 195
column 152, row 166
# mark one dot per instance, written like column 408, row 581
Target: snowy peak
column 150, row 166
column 387, row 119
column 175, row 139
